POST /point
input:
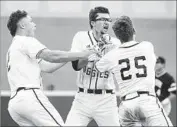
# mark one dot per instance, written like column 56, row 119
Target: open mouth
column 106, row 27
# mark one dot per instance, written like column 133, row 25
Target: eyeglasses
column 104, row 19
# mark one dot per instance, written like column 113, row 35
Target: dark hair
column 14, row 19
column 123, row 28
column 94, row 13
column 161, row 60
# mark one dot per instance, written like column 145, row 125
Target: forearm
column 50, row 67
column 82, row 63
column 79, row 64
column 61, row 56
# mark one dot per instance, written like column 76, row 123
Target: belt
column 22, row 88
column 95, row 91
column 135, row 95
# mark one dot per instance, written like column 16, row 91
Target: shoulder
column 81, row 34
column 168, row 76
column 147, row 43
column 33, row 39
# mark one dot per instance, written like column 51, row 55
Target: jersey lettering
column 127, row 68
column 87, row 71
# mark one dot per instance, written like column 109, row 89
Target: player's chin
column 104, row 31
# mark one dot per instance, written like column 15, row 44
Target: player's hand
column 88, row 52
column 93, row 57
column 106, row 38
column 96, row 49
column 107, row 48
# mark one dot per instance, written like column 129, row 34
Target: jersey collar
column 129, row 44
column 92, row 38
column 160, row 74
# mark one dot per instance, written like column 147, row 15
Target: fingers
column 106, row 38
column 93, row 57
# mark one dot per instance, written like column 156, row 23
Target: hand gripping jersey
column 89, row 77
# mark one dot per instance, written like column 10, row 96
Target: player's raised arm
column 57, row 56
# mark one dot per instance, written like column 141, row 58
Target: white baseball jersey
column 132, row 65
column 89, row 77
column 22, row 66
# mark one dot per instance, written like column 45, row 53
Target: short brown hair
column 14, row 19
column 94, row 13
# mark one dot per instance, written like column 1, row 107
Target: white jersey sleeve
column 108, row 61
column 76, row 43
column 32, row 47
column 150, row 48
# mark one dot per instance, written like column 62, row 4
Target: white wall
column 135, row 9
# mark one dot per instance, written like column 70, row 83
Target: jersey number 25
column 127, row 61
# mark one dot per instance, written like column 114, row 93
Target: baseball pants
column 144, row 109
column 100, row 107
column 32, row 108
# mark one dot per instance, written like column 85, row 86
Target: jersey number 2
column 127, row 61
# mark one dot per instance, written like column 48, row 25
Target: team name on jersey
column 93, row 72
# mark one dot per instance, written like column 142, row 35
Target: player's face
column 159, row 67
column 29, row 26
column 102, row 23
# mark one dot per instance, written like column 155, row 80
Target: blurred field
column 62, row 104
column 57, row 33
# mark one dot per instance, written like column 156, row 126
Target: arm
column 50, row 67
column 107, row 62
column 79, row 64
column 77, row 45
column 57, row 56
column 172, row 90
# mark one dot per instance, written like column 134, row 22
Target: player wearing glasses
column 96, row 97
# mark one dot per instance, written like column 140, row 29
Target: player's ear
column 93, row 23
column 21, row 24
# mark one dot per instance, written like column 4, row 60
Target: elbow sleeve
column 75, row 65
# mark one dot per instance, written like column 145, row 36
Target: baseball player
column 132, row 65
column 26, row 59
column 165, row 86
column 96, row 97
